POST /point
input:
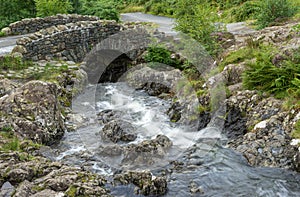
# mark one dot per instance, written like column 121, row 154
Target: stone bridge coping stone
column 81, row 25
column 30, row 25
column 72, row 41
column 43, row 33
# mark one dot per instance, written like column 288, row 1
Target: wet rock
column 147, row 151
column 235, row 123
column 155, row 82
column 194, row 188
column 106, row 116
column 174, row 112
column 118, row 130
column 113, row 150
column 33, row 112
column 36, row 176
column 147, row 183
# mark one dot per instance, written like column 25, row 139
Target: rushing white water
column 216, row 170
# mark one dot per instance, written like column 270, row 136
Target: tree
column 104, row 9
column 76, row 5
column 197, row 19
column 52, row 7
column 14, row 10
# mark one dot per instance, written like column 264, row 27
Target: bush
column 197, row 19
column 279, row 80
column 158, row 54
column 246, row 11
column 104, row 9
column 14, row 10
column 274, row 10
column 52, row 7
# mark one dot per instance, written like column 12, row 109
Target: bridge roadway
column 165, row 24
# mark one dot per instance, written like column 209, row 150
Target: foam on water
column 70, row 152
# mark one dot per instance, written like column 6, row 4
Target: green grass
column 296, row 131
column 14, row 63
column 132, row 8
column 251, row 51
column 10, row 142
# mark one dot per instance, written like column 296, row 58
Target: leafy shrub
column 274, row 10
column 14, row 10
column 52, row 7
column 104, row 9
column 246, row 11
column 159, row 54
column 263, row 75
column 197, row 19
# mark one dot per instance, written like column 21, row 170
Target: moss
column 12, row 145
column 37, row 188
column 72, row 191
column 296, row 131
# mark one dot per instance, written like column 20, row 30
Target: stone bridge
column 104, row 46
column 114, row 45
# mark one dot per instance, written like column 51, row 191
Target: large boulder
column 118, row 130
column 33, row 111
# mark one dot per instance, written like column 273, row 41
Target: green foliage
column 50, row 73
column 132, row 8
column 246, row 11
column 159, row 54
column 197, row 19
column 280, row 79
column 296, row 28
column 2, row 34
column 296, row 131
column 52, row 7
column 104, row 9
column 14, row 10
column 157, row 7
column 14, row 63
column 273, row 11
column 237, row 56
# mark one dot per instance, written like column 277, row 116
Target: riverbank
column 36, row 100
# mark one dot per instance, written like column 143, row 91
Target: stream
column 216, row 170
column 205, row 166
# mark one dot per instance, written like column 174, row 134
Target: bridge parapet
column 31, row 25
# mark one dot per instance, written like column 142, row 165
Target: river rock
column 33, row 111
column 147, row 183
column 154, row 81
column 37, row 176
column 7, row 189
column 148, row 151
column 257, row 127
column 106, row 116
column 118, row 130
column 6, row 86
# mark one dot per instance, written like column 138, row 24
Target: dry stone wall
column 67, row 42
column 31, row 25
